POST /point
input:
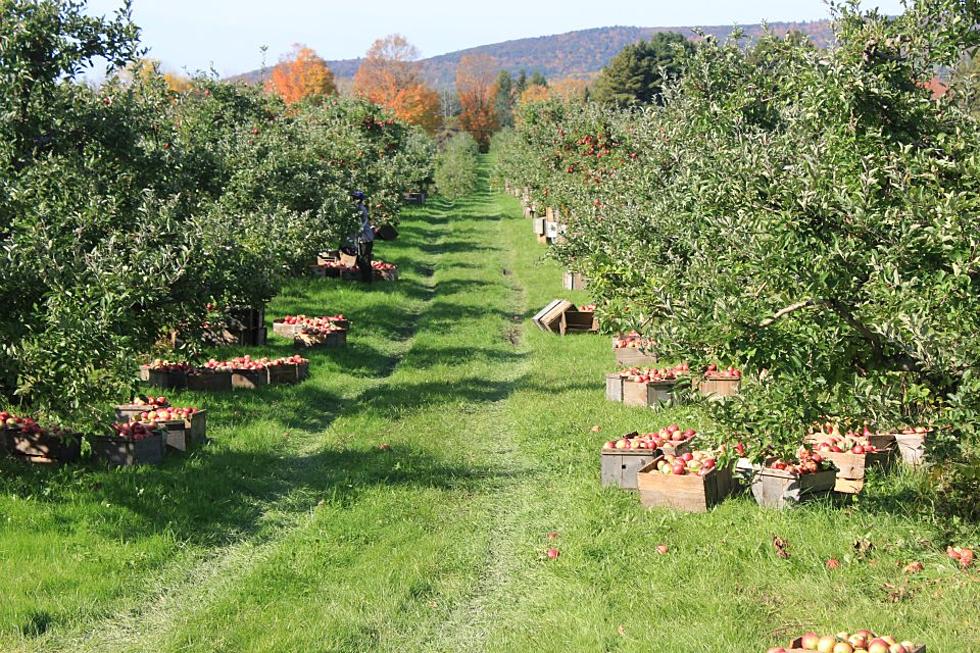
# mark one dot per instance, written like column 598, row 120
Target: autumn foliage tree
column 476, row 78
column 389, row 76
column 303, row 74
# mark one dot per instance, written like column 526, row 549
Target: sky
column 193, row 35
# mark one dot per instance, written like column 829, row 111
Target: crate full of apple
column 647, row 388
column 26, row 439
column 184, row 427
column 780, row 483
column 720, row 383
column 130, row 443
column 691, row 482
column 861, row 641
column 633, row 350
column 852, row 454
column 621, row 459
column 165, row 374
column 292, row 325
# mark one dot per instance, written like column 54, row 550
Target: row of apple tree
column 127, row 209
column 810, row 215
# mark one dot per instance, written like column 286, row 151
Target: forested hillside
column 574, row 54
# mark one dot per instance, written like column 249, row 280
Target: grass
column 294, row 531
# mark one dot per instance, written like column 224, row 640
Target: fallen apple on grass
column 961, row 554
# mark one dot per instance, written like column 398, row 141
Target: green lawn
column 293, row 530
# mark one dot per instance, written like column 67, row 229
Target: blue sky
column 228, row 34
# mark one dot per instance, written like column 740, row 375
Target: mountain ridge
column 580, row 53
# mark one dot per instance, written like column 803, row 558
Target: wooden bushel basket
column 689, row 493
column 912, row 447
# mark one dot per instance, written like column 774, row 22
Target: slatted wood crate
column 774, row 488
column 851, row 467
column 574, row 281
column 649, row 395
column 719, row 388
column 120, row 452
column 620, row 466
column 688, row 493
column 208, row 381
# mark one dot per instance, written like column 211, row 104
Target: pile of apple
column 862, row 641
column 323, row 323
column 637, row 375
column 152, row 417
column 289, row 360
column 693, row 463
column 247, row 363
column 214, row 365
column 807, row 462
column 713, row 372
column 381, row 266
column 851, row 442
column 134, row 431
column 27, row 426
column 632, row 341
column 161, row 365
column 672, row 434
column 587, row 308
column 153, row 402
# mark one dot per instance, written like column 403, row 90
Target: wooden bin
column 574, row 321
column 42, row 448
column 634, row 357
column 774, row 488
column 168, row 380
column 614, row 387
column 184, row 435
column 280, row 328
column 619, row 466
column 648, row 395
column 126, row 412
column 796, row 646
column 574, row 281
column 283, row 374
column 540, row 228
column 851, row 467
column 209, row 382
column 719, row 388
column 689, row 493
column 120, row 452
column 250, row 379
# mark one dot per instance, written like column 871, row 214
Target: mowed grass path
column 296, row 531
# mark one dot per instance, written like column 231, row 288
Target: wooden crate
column 774, row 488
column 286, row 330
column 689, row 493
column 549, row 317
column 209, row 382
column 796, row 646
column 575, row 321
column 719, row 388
column 283, row 374
column 912, row 447
column 328, row 257
column 302, row 372
column 540, row 228
column 574, row 281
column 851, row 467
column 614, row 387
column 126, row 412
column 634, row 357
column 250, row 379
column 42, row 448
column 619, row 466
column 648, row 395
column 551, row 229
column 332, row 341
column 166, row 379
column 120, row 452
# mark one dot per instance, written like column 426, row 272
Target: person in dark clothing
column 364, row 239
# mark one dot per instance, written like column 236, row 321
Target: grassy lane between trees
column 295, row 530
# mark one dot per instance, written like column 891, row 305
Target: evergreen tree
column 505, row 98
column 636, row 75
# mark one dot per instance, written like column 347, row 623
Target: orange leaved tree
column 476, row 78
column 300, row 75
column 389, row 76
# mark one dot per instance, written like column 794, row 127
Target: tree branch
column 783, row 312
